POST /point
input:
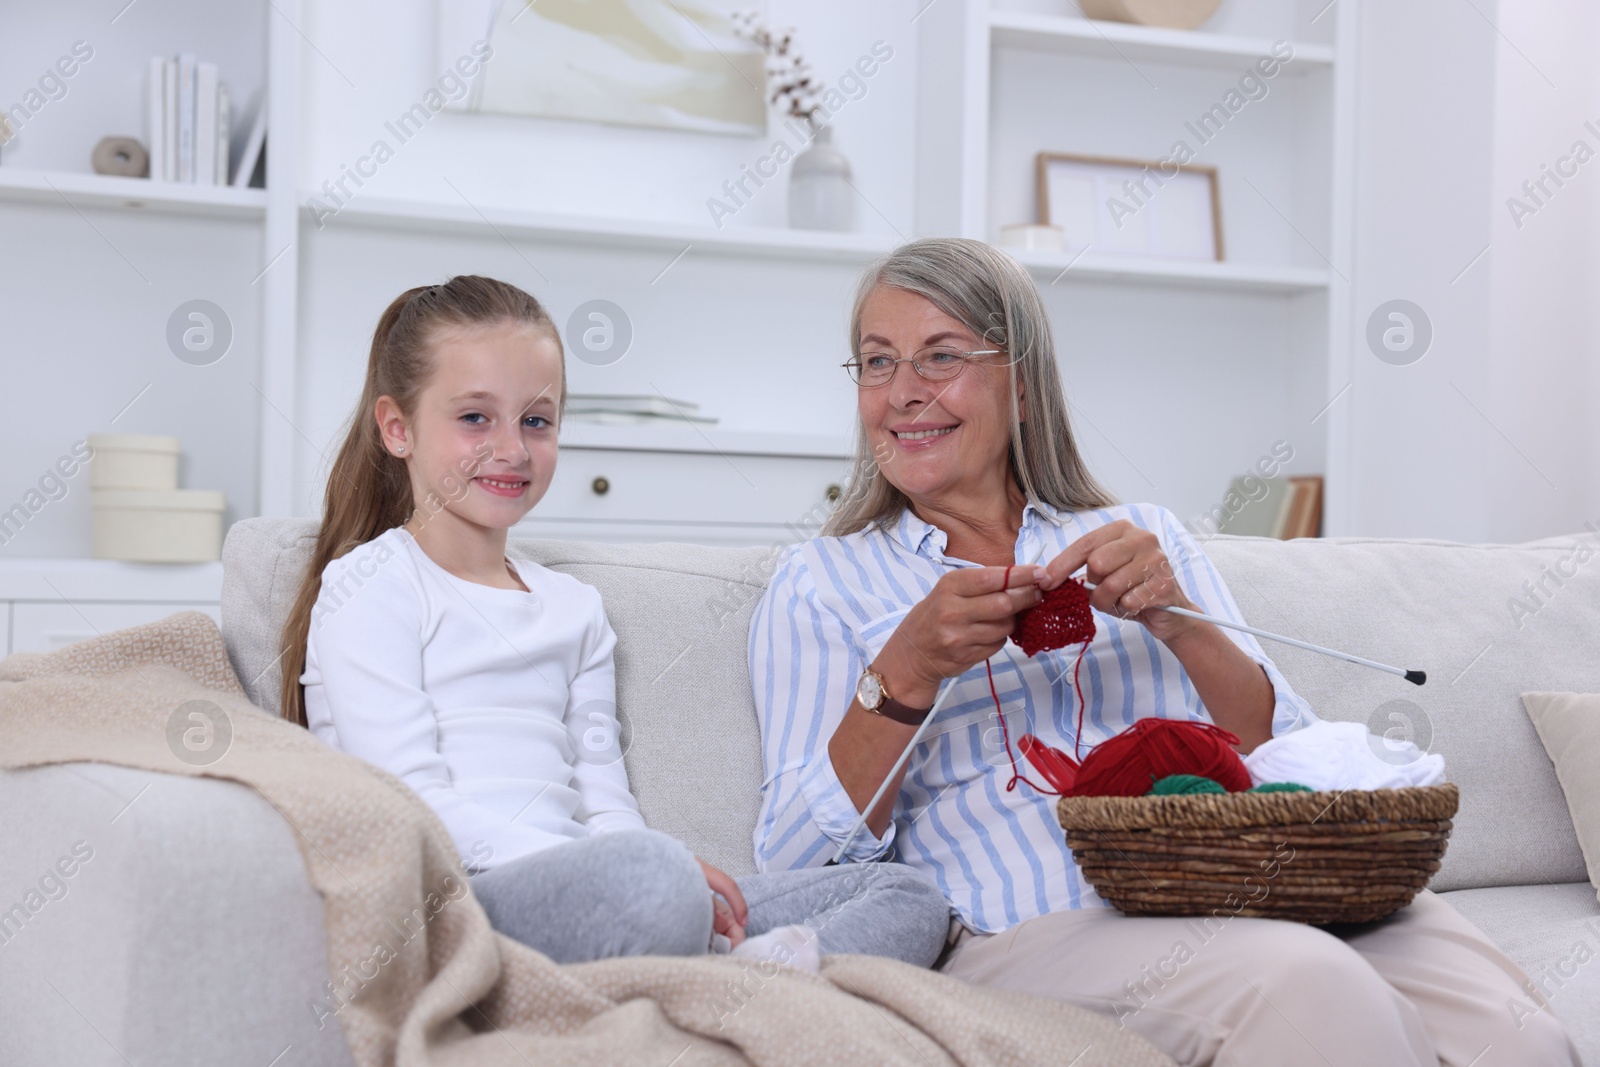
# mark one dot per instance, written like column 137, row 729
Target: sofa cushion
column 682, row 613
column 1553, row 932
column 1445, row 608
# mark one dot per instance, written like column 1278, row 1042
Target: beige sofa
column 166, row 979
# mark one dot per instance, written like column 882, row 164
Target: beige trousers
column 1423, row 987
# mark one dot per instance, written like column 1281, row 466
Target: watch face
column 869, row 691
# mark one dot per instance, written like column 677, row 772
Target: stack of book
column 639, row 410
column 1291, row 507
column 188, row 124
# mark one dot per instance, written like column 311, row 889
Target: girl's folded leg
column 875, row 909
column 624, row 893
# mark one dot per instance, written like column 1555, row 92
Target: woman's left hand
column 1132, row 577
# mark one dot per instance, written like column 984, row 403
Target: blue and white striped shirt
column 1000, row 857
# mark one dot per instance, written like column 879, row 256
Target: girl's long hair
column 369, row 489
column 992, row 295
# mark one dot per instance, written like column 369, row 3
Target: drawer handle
column 833, row 493
column 600, row 486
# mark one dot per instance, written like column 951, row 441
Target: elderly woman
column 966, row 473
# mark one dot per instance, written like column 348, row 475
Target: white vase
column 820, row 194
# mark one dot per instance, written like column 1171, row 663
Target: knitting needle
column 922, row 728
column 1414, row 677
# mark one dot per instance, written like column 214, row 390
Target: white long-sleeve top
column 497, row 706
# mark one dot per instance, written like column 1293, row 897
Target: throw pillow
column 1569, row 726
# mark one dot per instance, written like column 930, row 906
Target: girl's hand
column 1132, row 578
column 730, row 914
column 963, row 621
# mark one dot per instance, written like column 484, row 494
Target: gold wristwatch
column 874, row 696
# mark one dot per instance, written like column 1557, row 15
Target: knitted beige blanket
column 164, row 697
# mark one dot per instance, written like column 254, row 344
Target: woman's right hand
column 963, row 621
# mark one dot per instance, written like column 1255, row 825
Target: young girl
column 418, row 646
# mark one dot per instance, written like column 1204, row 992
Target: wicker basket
column 1353, row 856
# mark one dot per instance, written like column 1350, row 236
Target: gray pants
column 641, row 893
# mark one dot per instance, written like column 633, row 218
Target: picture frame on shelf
column 1138, row 207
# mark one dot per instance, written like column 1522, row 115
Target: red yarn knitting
column 1129, row 763
column 1061, row 618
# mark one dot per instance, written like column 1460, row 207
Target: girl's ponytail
column 369, row 489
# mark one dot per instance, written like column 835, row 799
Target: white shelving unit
column 1085, row 37
column 48, row 603
column 134, row 194
column 795, row 245
column 1056, row 267
column 998, row 84
column 578, row 433
column 1269, row 318
column 463, row 219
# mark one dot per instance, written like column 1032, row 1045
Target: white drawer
column 37, row 627
column 696, row 487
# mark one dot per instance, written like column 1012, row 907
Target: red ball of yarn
column 1126, row 765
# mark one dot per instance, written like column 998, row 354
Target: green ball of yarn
column 1282, row 787
column 1180, row 784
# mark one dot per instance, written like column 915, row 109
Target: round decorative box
column 133, row 461
column 157, row 525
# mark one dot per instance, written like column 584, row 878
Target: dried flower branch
column 788, row 74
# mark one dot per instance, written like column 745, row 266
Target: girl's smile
column 502, row 486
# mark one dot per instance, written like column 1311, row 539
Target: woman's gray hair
column 992, row 295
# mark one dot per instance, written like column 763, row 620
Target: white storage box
column 132, row 461
column 158, row 525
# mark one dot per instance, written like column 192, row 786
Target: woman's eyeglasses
column 872, row 369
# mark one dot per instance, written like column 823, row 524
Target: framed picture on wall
column 674, row 64
column 1131, row 206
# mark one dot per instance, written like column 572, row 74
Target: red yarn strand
column 1077, row 739
column 1131, row 761
column 1016, row 773
column 1061, row 618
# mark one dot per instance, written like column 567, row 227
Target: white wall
column 1544, row 328
column 1424, row 130
column 1491, row 435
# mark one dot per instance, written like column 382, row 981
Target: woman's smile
column 915, row 436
